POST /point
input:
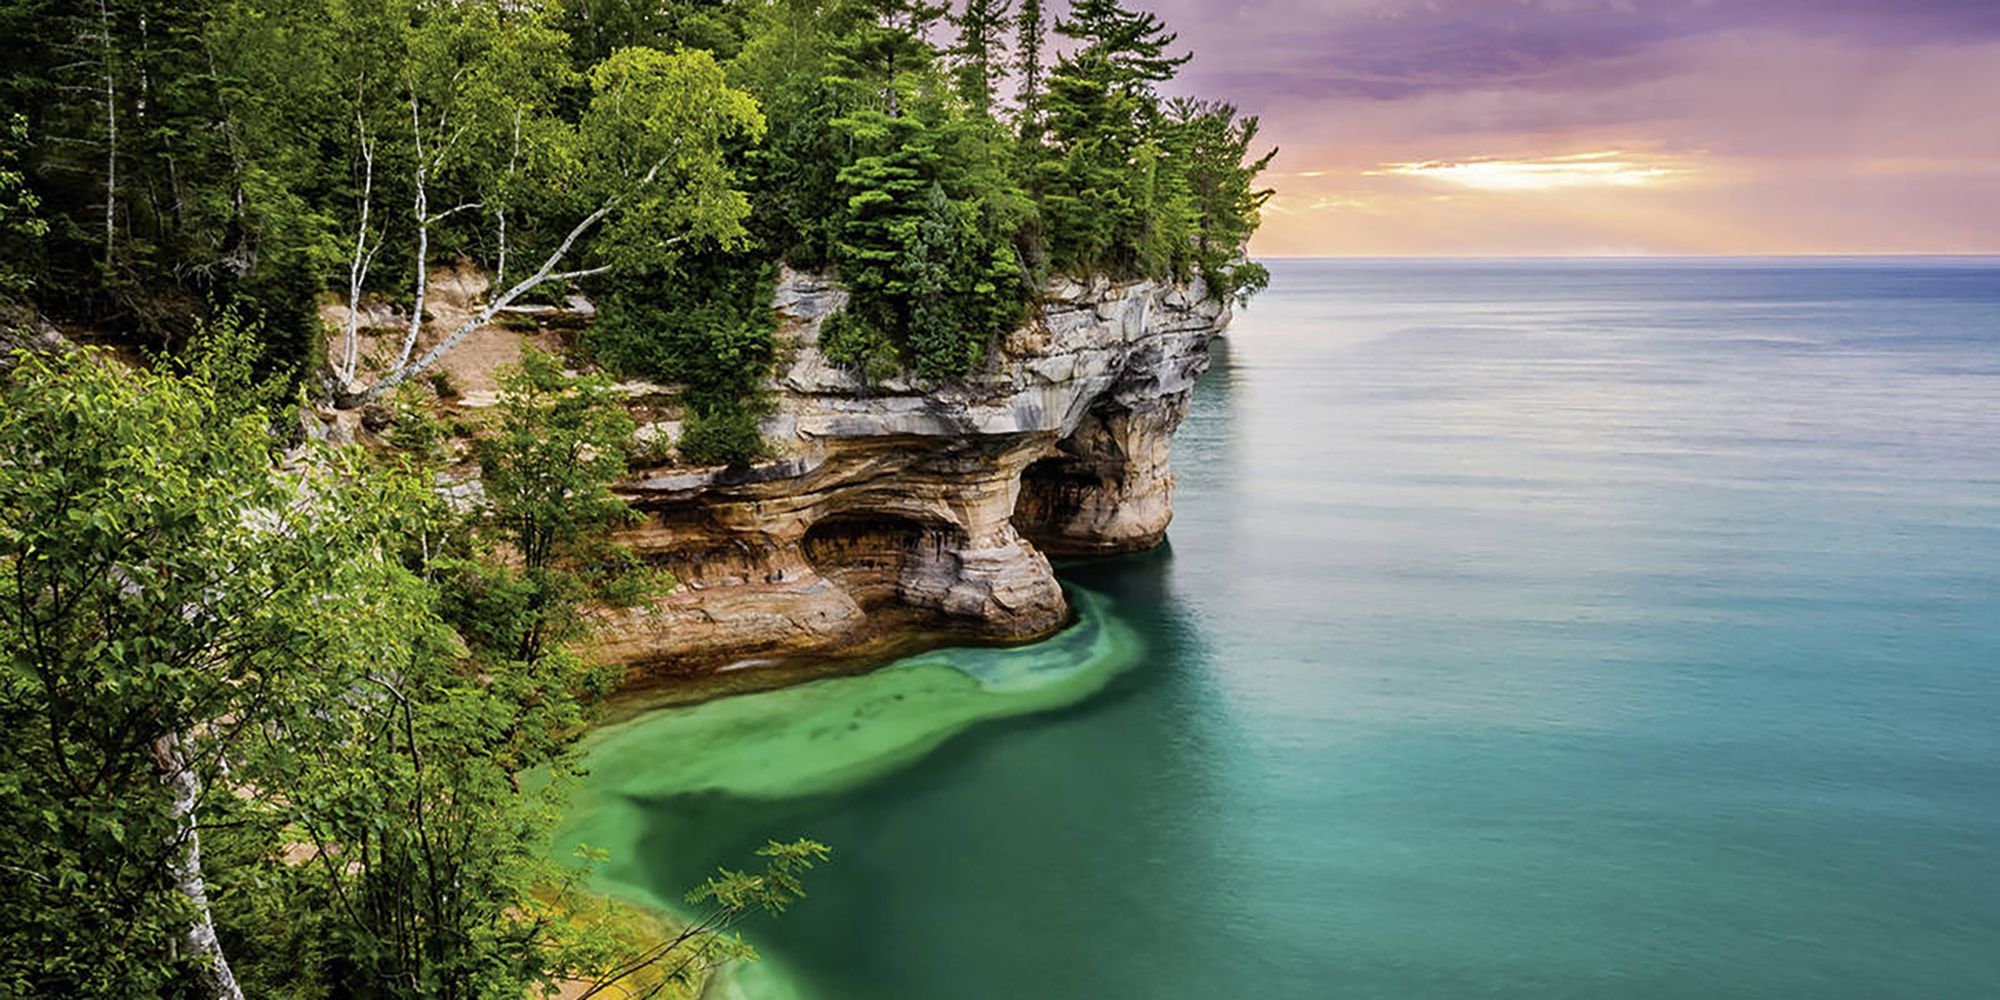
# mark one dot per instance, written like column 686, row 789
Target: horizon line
column 1843, row 255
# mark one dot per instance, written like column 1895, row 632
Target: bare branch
column 455, row 209
column 422, row 212
column 405, row 370
column 585, row 273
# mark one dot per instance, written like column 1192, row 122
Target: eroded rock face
column 914, row 506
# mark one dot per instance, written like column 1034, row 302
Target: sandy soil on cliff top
column 454, row 296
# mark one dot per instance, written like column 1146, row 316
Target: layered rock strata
column 906, row 506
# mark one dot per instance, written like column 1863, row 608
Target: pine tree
column 1213, row 147
column 978, row 52
column 1121, row 48
column 1109, row 197
column 886, row 41
column 1030, row 30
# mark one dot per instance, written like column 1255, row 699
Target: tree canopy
column 301, row 733
column 291, row 723
column 163, row 160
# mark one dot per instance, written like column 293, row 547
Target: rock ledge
column 911, row 506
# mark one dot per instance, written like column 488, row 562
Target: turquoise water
column 1544, row 629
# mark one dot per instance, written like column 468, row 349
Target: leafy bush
column 705, row 323
column 725, row 434
column 848, row 338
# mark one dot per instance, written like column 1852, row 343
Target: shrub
column 723, row 435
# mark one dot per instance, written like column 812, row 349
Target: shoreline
column 1091, row 648
column 648, row 691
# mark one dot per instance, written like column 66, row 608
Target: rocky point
column 906, row 507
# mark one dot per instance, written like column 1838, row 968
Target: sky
column 1613, row 127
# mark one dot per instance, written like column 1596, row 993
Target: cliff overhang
column 907, row 508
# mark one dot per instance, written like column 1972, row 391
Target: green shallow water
column 1529, row 630
column 819, row 738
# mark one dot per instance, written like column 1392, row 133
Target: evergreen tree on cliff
column 1121, row 48
column 1104, row 204
column 1218, row 163
column 876, row 58
column 1030, row 31
column 980, row 57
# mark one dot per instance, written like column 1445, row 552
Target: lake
column 1527, row 629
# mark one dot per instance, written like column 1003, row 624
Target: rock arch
column 903, row 506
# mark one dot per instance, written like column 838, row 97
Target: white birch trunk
column 423, row 212
column 357, row 270
column 500, row 214
column 407, row 370
column 184, row 865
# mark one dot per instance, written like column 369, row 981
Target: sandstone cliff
column 904, row 508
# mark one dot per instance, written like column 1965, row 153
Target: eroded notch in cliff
column 1105, row 488
column 874, row 556
column 1055, row 492
column 863, row 554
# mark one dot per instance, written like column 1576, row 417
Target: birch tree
column 640, row 171
column 143, row 557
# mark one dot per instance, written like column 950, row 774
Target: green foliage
column 443, row 385
column 21, row 228
column 704, row 322
column 979, row 55
column 414, row 429
column 1219, row 169
column 723, row 434
column 932, row 276
column 377, row 715
column 1030, row 34
column 682, row 961
column 785, row 65
column 878, row 49
column 962, row 287
column 414, row 846
column 161, row 598
column 1129, row 185
column 772, row 890
column 148, row 208
column 851, row 340
column 598, row 28
column 663, row 118
column 1103, row 206
column 233, row 358
column 248, row 155
column 1123, row 48
column 560, row 441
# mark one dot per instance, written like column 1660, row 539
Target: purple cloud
column 1387, row 50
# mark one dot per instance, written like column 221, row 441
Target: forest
column 285, row 720
column 167, row 162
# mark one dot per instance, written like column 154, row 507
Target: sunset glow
column 1536, row 127
column 1581, row 170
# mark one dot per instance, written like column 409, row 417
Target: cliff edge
column 905, row 507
